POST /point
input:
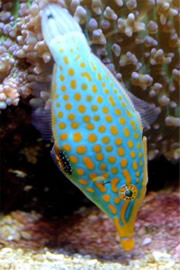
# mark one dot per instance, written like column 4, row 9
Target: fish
column 97, row 125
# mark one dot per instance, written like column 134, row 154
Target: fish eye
column 128, row 192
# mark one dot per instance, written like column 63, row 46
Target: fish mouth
column 125, row 233
column 127, row 243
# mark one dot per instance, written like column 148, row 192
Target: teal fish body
column 97, row 131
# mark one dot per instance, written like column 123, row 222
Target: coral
column 137, row 40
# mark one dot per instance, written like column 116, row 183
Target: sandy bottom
column 88, row 239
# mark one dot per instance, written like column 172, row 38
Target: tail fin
column 61, row 31
column 57, row 21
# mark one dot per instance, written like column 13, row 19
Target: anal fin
column 41, row 119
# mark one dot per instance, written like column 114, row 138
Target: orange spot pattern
column 99, row 133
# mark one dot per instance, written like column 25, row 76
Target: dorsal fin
column 148, row 112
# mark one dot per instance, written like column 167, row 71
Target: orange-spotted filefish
column 97, row 129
